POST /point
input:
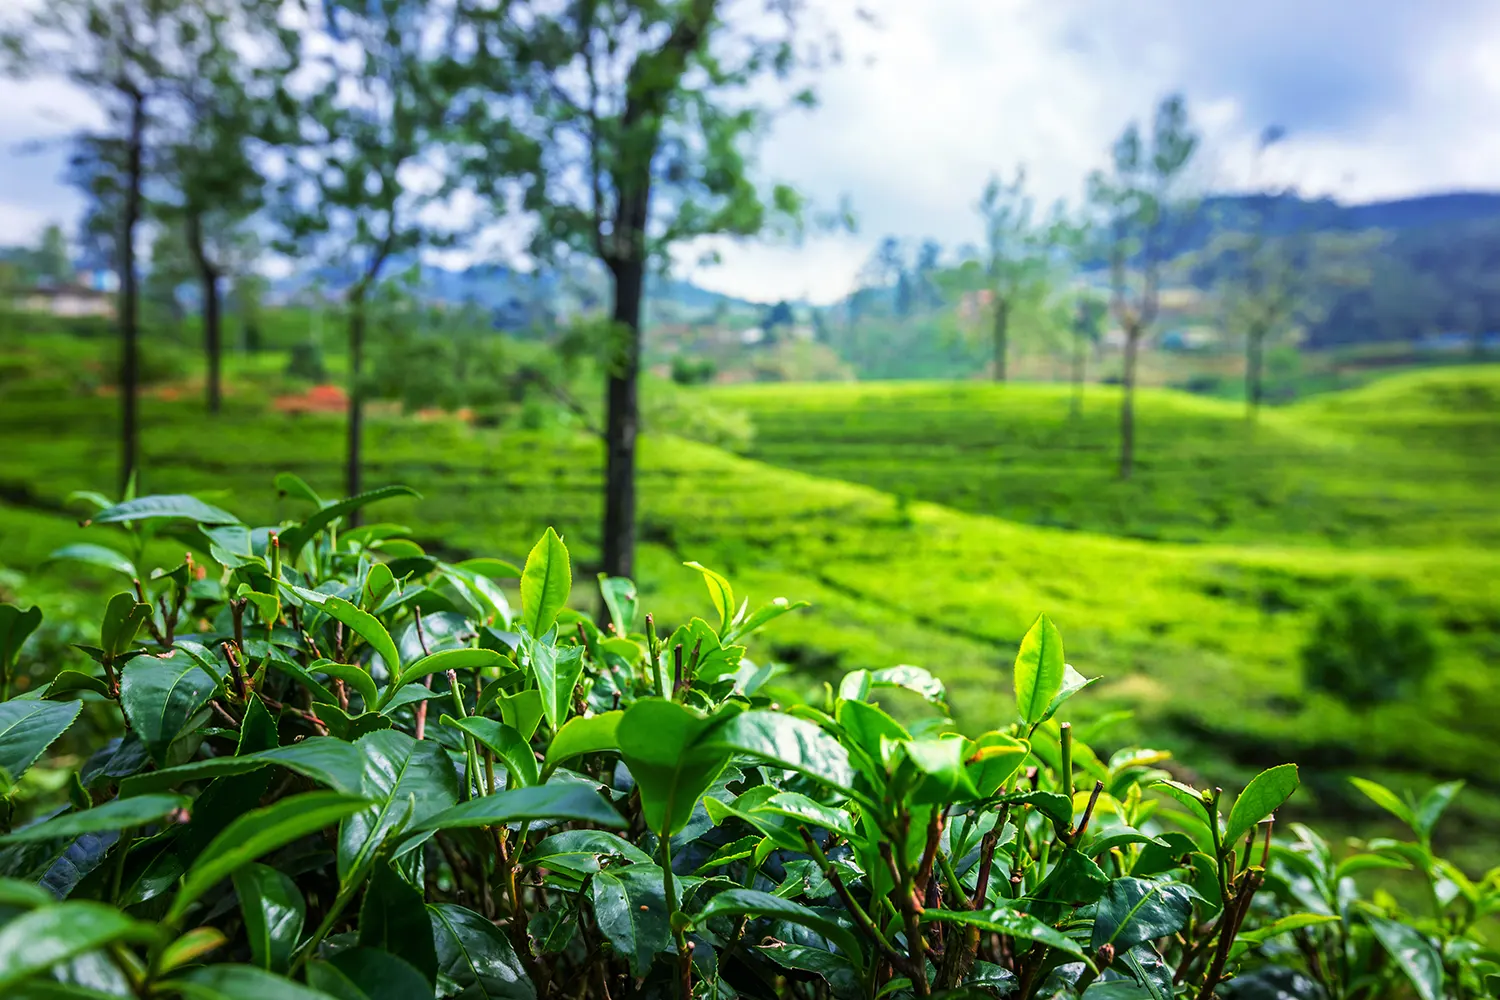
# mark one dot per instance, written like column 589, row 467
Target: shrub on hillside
column 340, row 767
column 1365, row 648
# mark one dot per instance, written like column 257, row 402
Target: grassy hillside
column 1409, row 460
column 1201, row 638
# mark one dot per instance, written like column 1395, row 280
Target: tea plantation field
column 929, row 524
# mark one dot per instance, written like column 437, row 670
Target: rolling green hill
column 1199, row 635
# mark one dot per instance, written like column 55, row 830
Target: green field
column 929, row 524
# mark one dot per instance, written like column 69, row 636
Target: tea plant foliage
column 313, row 760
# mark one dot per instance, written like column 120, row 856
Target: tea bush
column 343, row 767
column 1365, row 649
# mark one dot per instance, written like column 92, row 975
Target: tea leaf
column 584, row 734
column 667, row 749
column 476, row 957
column 620, row 598
column 28, row 727
column 557, row 800
column 35, row 941
column 274, row 912
column 719, row 592
column 293, row 539
column 1075, row 880
column 791, row 742
column 514, row 752
column 1133, row 910
column 557, row 672
column 1039, row 670
column 1432, row 806
column 236, row 982
column 92, row 555
column 1008, row 921
column 118, row 814
column 1263, row 796
column 1413, row 952
column 393, row 920
column 356, row 676
column 333, row 762
column 161, row 694
column 164, row 505
column 1387, row 800
column 631, row 910
column 259, row 832
column 407, row 780
column 751, row 902
column 545, row 583
column 444, row 660
column 362, row 972
column 364, row 624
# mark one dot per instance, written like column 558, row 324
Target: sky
column 1379, row 99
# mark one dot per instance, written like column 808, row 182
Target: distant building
column 67, row 301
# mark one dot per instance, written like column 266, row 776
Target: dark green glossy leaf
column 1054, row 805
column 475, row 960
column 1133, row 910
column 259, row 832
column 444, row 660
column 369, row 974
column 1008, row 921
column 364, row 624
column 123, row 618
column 1039, row 670
column 333, row 762
column 1263, row 796
column 237, row 982
column 15, row 626
column 788, row 741
column 70, row 682
column 506, row 743
column 35, row 941
column 161, row 695
column 545, row 583
column 1418, row 958
column 1075, row 880
column 393, row 920
column 117, row 814
column 28, row 727
column 593, row 843
column 407, row 781
column 750, row 902
column 556, row 800
column 95, row 555
column 274, row 912
column 353, row 675
column 630, row 908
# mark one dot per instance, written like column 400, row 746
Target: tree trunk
column 130, row 296
column 356, row 402
column 1002, row 322
column 1079, row 360
column 623, row 419
column 208, row 277
column 1127, row 404
column 1254, row 364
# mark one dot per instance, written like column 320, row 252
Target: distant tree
column 929, row 264
column 1271, row 277
column 779, row 315
column 109, row 49
column 54, row 262
column 169, row 267
column 221, row 90
column 632, row 137
column 1139, row 205
column 1017, row 257
column 1087, row 326
column 247, row 299
column 376, row 120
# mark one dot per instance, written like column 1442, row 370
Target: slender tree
column 1141, row 211
column 109, row 49
column 631, row 136
column 222, row 95
column 1017, row 258
column 1088, row 317
column 368, row 134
